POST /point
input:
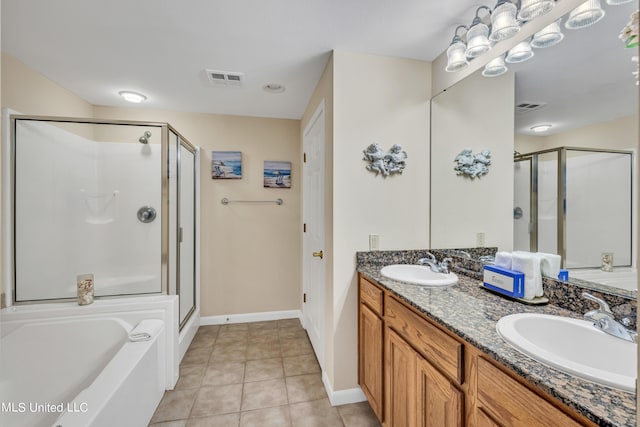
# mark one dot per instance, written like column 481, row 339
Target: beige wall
column 619, row 134
column 476, row 113
column 250, row 259
column 383, row 100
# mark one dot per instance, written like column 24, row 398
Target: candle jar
column 607, row 261
column 85, row 289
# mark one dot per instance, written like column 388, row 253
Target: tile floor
column 259, row 374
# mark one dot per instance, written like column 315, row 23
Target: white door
column 313, row 237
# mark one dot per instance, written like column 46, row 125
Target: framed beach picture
column 277, row 174
column 226, row 164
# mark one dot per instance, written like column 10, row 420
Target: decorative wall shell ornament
column 385, row 163
column 472, row 165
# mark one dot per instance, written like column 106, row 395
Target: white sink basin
column 418, row 275
column 573, row 346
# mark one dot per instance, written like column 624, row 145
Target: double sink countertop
column 471, row 313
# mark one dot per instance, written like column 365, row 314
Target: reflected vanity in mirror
column 574, row 183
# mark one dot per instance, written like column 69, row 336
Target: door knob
column 318, row 254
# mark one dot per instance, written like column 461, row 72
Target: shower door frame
column 165, row 268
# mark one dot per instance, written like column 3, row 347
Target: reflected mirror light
column 588, row 13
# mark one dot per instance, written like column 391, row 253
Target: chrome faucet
column 603, row 319
column 437, row 267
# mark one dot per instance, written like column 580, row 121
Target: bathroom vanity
column 432, row 357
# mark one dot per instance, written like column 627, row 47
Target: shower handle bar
column 226, row 201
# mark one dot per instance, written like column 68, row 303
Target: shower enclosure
column 576, row 202
column 115, row 199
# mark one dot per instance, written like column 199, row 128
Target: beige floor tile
column 264, row 394
column 175, row 405
column 178, row 423
column 195, row 357
column 263, row 335
column 226, row 420
column 234, row 327
column 217, row 400
column 223, row 373
column 304, row 388
column 298, row 365
column 358, row 415
column 210, row 330
column 229, row 352
column 263, row 326
column 263, row 369
column 232, row 338
column 296, row 347
column 292, row 334
column 202, row 342
column 269, row 417
column 263, row 351
column 190, row 377
column 289, row 323
column 318, row 413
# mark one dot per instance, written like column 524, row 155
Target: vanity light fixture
column 588, row 13
column 456, row 59
column 503, row 21
column 496, row 67
column 478, row 36
column 549, row 36
column 519, row 53
column 617, row 2
column 540, row 128
column 530, row 9
column 134, row 97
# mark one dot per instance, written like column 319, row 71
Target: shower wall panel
column 76, row 212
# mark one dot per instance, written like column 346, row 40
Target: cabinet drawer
column 443, row 351
column 371, row 295
column 512, row 404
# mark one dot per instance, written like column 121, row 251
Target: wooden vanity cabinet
column 371, row 345
column 416, row 374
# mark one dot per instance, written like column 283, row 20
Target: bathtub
column 66, row 365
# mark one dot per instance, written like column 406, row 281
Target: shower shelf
column 226, row 201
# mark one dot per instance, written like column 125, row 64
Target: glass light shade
column 503, row 22
column 530, row 9
column 549, row 36
column 456, row 58
column 496, row 67
column 134, row 97
column 519, row 53
column 617, row 2
column 477, row 40
column 588, row 13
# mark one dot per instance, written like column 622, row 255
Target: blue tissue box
column 506, row 282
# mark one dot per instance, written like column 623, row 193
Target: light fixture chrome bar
column 226, row 201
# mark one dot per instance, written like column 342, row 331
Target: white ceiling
column 160, row 48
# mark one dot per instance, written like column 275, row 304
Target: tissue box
column 507, row 282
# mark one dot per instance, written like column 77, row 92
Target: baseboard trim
column 250, row 317
column 342, row 397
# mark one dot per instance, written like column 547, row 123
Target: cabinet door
column 484, row 420
column 440, row 403
column 400, row 361
column 370, row 361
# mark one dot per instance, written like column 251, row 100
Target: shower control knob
column 146, row 214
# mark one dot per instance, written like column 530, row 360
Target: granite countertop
column 471, row 313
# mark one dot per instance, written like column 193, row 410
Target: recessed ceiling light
column 273, row 88
column 134, row 97
column 541, row 128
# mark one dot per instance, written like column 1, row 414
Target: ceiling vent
column 525, row 107
column 224, row 78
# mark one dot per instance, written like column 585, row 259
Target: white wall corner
column 250, row 317
column 342, row 397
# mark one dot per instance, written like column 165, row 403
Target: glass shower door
column 186, row 233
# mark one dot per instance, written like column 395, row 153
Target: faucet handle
column 604, row 307
column 431, row 257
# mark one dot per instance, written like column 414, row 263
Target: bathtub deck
column 254, row 374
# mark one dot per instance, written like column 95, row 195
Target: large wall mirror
column 571, row 188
